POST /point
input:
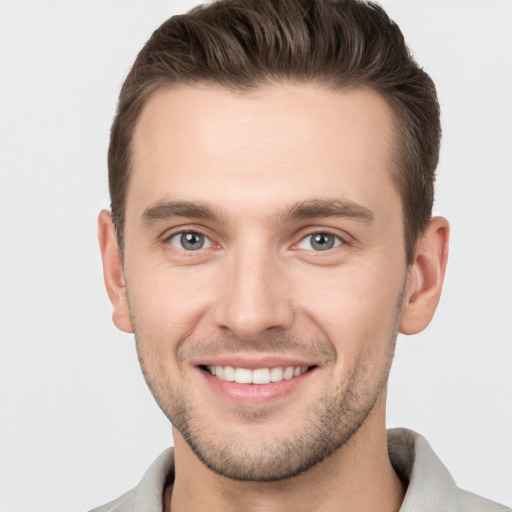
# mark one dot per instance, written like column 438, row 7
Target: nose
column 254, row 297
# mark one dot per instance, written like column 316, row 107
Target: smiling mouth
column 256, row 376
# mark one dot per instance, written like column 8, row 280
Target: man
column 271, row 172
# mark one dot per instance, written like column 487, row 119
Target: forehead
column 282, row 143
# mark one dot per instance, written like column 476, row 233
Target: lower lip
column 254, row 393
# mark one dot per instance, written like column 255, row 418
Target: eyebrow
column 314, row 208
column 323, row 208
column 167, row 210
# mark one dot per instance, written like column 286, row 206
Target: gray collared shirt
column 430, row 486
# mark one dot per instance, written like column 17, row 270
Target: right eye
column 190, row 241
column 321, row 241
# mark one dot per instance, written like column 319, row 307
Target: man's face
column 264, row 242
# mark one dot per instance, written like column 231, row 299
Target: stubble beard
column 331, row 423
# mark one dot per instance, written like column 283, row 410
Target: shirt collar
column 430, row 486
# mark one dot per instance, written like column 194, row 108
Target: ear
column 113, row 272
column 425, row 277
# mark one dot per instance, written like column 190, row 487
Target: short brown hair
column 245, row 44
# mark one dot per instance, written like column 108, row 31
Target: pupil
column 192, row 241
column 323, row 241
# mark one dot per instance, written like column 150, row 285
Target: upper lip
column 253, row 362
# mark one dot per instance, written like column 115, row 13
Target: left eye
column 190, row 241
column 319, row 242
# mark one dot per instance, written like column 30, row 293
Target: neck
column 357, row 477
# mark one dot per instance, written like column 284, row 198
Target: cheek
column 354, row 307
column 168, row 303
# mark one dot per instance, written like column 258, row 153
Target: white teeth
column 261, row 376
column 258, row 376
column 288, row 373
column 276, row 374
column 243, row 376
column 229, row 373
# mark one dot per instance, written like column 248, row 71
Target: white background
column 77, row 424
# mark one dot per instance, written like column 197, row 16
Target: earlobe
column 425, row 277
column 113, row 272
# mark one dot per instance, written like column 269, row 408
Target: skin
column 259, row 291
